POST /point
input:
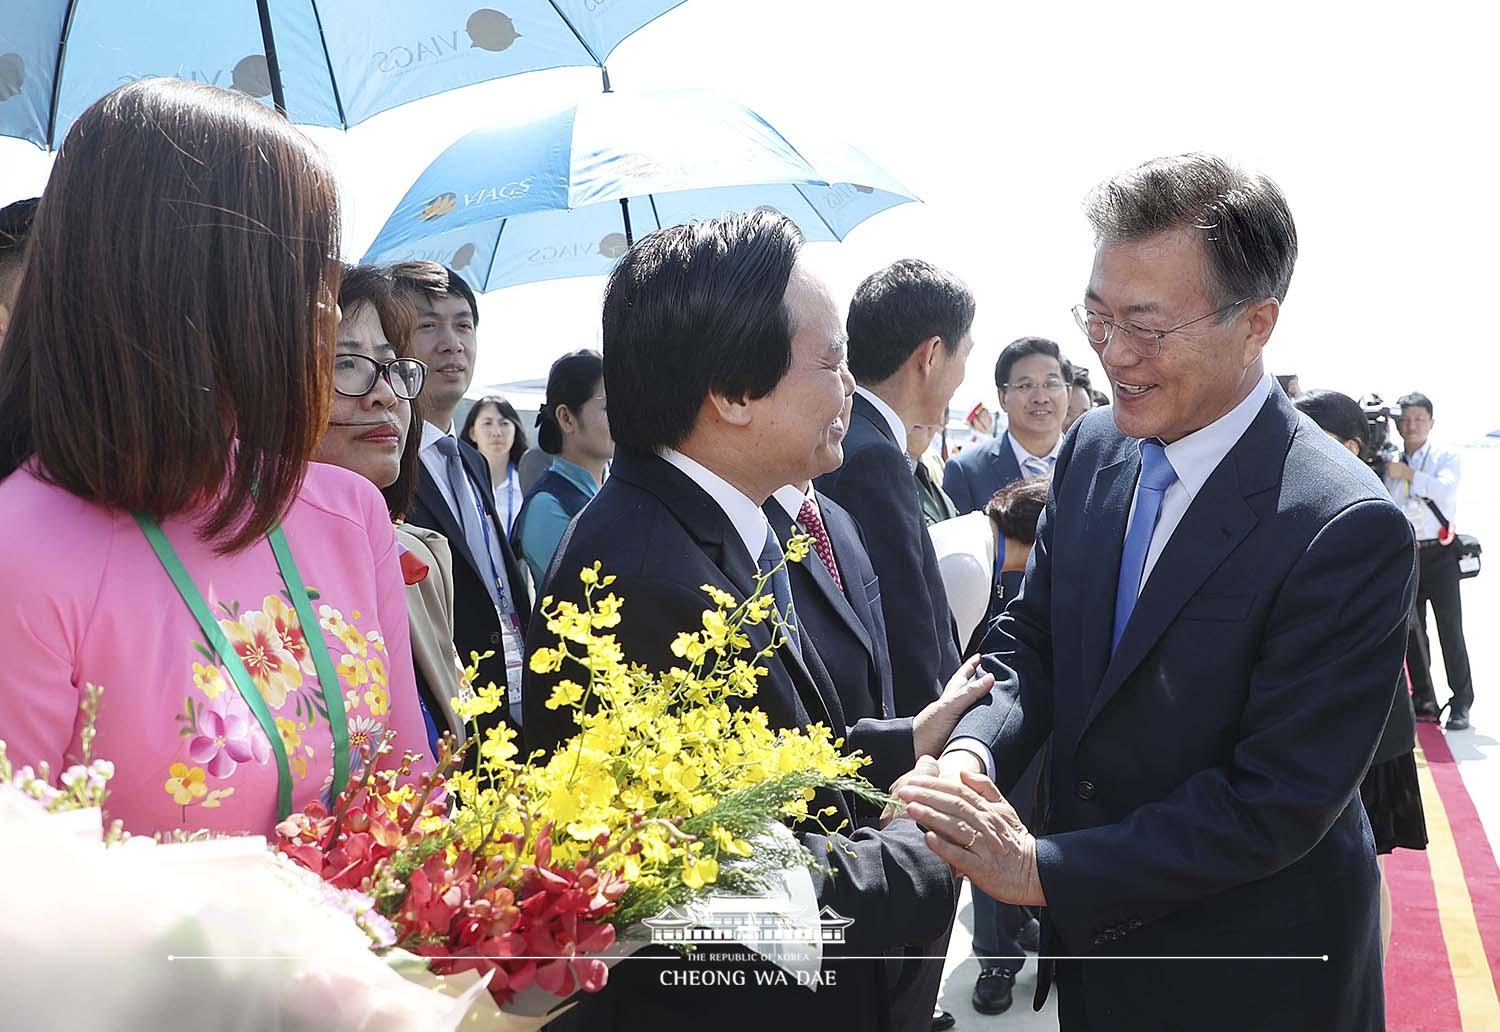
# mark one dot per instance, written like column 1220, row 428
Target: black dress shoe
column 1427, row 710
column 1029, row 938
column 992, row 992
column 942, row 1021
column 1458, row 718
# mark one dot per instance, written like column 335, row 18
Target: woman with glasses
column 573, row 425
column 375, row 389
column 494, row 428
column 241, row 609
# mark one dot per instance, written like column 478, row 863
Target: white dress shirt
column 509, row 498
column 746, row 517
column 1193, row 459
column 1435, row 476
column 790, row 498
column 892, row 420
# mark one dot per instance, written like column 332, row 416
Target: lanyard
column 510, row 498
column 327, row 676
column 489, row 554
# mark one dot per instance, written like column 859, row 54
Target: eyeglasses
column 354, row 376
column 1051, row 385
column 1143, row 340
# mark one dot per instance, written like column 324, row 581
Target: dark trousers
column 1438, row 583
column 996, row 926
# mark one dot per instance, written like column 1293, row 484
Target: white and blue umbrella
column 563, row 195
column 322, row 62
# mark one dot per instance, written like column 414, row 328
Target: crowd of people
column 245, row 505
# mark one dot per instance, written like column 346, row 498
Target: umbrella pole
column 273, row 67
column 625, row 211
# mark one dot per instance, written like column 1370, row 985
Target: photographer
column 1424, row 482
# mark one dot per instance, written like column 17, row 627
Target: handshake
column 967, row 822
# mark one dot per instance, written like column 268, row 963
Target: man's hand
column 926, row 767
column 973, row 828
column 1400, row 470
column 930, row 728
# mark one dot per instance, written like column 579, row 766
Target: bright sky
column 1376, row 120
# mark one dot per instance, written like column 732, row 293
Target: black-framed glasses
column 1143, row 340
column 1051, row 385
column 354, row 376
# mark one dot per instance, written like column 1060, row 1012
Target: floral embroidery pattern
column 268, row 659
column 228, row 736
column 186, row 787
column 223, row 734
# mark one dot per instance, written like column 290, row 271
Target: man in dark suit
column 1213, row 714
column 491, row 603
column 1032, row 379
column 908, row 343
column 756, row 398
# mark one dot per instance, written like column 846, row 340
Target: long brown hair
column 374, row 285
column 173, row 334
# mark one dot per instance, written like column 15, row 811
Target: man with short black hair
column 15, row 228
column 1424, row 482
column 724, row 361
column 491, row 600
column 909, row 340
column 1032, row 379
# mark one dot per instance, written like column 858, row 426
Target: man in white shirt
column 1032, row 379
column 491, row 599
column 724, row 361
column 1210, row 631
column 1424, row 482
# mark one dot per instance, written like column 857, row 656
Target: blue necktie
column 781, row 584
column 1157, row 475
column 468, row 516
column 1035, row 467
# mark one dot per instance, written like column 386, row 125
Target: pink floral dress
column 85, row 601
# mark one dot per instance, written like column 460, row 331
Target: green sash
column 333, row 698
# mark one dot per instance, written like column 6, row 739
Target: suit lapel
column 1215, row 524
column 431, row 499
column 1004, row 460
column 701, row 516
column 814, row 569
column 1106, row 512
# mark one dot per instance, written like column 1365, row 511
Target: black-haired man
column 1032, row 379
column 491, row 600
column 724, row 361
column 1424, row 482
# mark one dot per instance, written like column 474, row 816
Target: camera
column 1379, row 448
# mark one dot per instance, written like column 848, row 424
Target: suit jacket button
column 494, row 637
column 1084, row 790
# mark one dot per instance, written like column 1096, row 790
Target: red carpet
column 1443, row 970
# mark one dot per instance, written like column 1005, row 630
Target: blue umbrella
column 322, row 62
column 563, row 195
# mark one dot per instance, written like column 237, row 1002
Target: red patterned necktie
column 813, row 524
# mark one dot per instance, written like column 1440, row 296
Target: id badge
column 515, row 661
